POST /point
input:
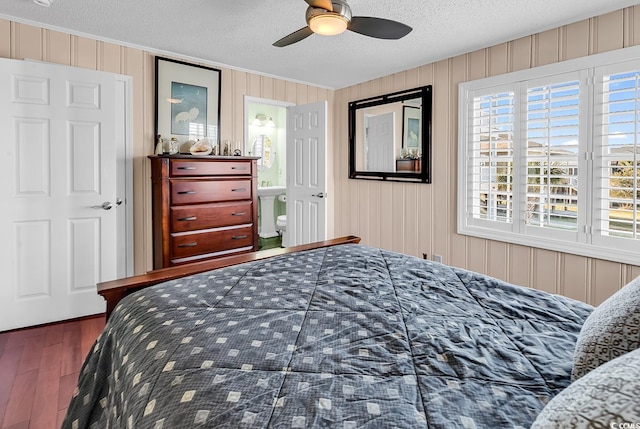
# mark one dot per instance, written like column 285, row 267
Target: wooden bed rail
column 113, row 291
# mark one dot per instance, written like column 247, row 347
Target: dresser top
column 211, row 157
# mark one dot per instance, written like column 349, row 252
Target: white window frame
column 586, row 240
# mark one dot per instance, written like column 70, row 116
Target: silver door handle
column 107, row 205
column 320, row 195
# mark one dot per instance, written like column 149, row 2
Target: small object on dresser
column 174, row 146
column 237, row 152
column 159, row 145
column 201, row 147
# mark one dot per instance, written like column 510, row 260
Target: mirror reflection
column 390, row 136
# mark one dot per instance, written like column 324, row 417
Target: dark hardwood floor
column 39, row 369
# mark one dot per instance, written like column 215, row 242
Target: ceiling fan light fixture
column 329, row 24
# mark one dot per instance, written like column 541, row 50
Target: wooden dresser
column 203, row 207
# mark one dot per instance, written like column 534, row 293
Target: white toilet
column 281, row 223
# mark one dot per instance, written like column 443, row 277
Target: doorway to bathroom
column 266, row 137
column 290, row 141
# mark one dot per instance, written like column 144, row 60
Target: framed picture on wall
column 411, row 127
column 187, row 101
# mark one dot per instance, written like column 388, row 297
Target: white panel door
column 61, row 136
column 380, row 143
column 306, row 173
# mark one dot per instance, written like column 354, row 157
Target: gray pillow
column 612, row 330
column 606, row 395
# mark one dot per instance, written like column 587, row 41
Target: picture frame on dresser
column 187, row 101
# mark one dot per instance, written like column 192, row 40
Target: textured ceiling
column 239, row 33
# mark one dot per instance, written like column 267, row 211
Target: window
column 550, row 157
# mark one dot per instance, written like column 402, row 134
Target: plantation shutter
column 490, row 155
column 553, row 136
column 617, row 216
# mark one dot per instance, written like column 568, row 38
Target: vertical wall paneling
column 575, row 282
column 5, row 38
column 477, row 65
column 634, row 26
column 497, row 259
column 548, row 47
column 610, row 31
column 607, row 279
column 520, row 54
column 253, row 84
column 139, row 66
column 520, row 262
column 109, row 58
column 143, row 234
column 410, row 220
column 498, row 59
column 386, row 215
column 398, row 221
column 27, row 42
column 457, row 243
column 441, row 160
column 84, row 52
column 57, row 47
column 237, row 83
column 476, row 254
column 575, row 43
column 546, row 269
column 325, row 94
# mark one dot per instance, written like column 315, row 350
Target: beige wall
column 417, row 218
column 20, row 41
column 411, row 218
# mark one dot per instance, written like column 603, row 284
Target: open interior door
column 306, row 173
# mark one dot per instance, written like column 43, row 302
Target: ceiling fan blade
column 294, row 37
column 378, row 27
column 322, row 4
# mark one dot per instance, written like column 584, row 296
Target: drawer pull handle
column 186, row 192
column 239, row 190
column 238, row 237
column 239, row 214
column 182, row 219
column 194, row 244
column 186, row 168
column 238, row 168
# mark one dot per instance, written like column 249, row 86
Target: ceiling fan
column 331, row 17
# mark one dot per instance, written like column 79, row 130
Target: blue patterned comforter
column 348, row 337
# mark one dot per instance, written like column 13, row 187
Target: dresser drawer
column 206, row 191
column 184, row 245
column 180, row 167
column 204, row 216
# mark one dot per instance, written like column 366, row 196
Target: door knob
column 108, row 205
column 320, row 195
column 105, row 206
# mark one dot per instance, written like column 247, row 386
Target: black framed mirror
column 390, row 136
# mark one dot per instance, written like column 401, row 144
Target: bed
column 331, row 335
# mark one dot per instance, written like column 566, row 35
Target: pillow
column 612, row 330
column 606, row 395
